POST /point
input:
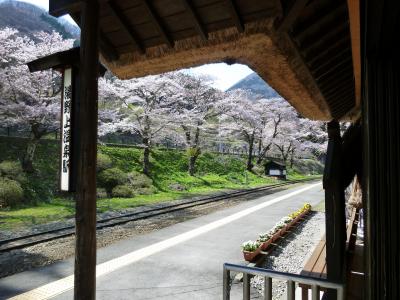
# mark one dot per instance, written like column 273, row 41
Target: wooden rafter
column 234, row 12
column 123, row 22
column 321, row 21
column 317, row 56
column 332, row 58
column 195, row 18
column 354, row 16
column 291, row 16
column 157, row 22
column 324, row 72
column 58, row 8
column 106, row 48
column 337, row 32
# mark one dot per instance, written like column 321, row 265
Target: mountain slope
column 28, row 19
column 254, row 83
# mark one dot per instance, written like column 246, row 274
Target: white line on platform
column 58, row 287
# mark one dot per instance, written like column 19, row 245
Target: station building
column 333, row 60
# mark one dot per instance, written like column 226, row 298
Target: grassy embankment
column 214, row 173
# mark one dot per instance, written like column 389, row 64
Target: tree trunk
column 146, row 157
column 250, row 154
column 27, row 160
column 291, row 158
column 192, row 163
column 194, row 149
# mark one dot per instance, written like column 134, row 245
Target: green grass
column 41, row 213
column 214, row 172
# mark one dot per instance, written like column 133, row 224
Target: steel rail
column 23, row 241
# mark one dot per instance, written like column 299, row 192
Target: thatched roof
column 302, row 50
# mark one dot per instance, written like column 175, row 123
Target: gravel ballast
column 292, row 253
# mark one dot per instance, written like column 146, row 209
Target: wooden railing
column 291, row 280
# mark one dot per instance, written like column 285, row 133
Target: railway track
column 20, row 242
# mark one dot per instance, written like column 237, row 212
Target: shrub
column 101, row 193
column 103, row 162
column 12, row 170
column 138, row 180
column 11, row 192
column 177, row 187
column 123, row 191
column 110, row 178
column 259, row 170
column 145, row 190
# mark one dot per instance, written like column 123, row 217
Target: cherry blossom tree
column 300, row 136
column 196, row 112
column 244, row 119
column 141, row 106
column 29, row 100
column 274, row 110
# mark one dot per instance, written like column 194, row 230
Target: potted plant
column 250, row 250
column 265, row 239
column 281, row 226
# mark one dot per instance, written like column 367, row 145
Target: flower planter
column 293, row 223
column 276, row 236
column 283, row 231
column 250, row 256
column 265, row 245
column 305, row 213
column 298, row 218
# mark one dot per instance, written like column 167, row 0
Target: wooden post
column 334, row 207
column 85, row 252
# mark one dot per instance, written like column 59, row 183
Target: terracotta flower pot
column 293, row 222
column 276, row 236
column 265, row 245
column 282, row 231
column 250, row 256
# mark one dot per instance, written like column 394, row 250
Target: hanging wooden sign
column 66, row 120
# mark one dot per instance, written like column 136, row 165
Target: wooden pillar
column 85, row 252
column 334, row 207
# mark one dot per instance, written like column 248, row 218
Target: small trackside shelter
column 333, row 60
column 275, row 169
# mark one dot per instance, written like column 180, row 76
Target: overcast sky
column 223, row 74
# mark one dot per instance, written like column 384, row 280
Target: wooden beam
column 124, row 23
column 235, row 15
column 157, row 22
column 196, row 20
column 85, row 197
column 69, row 57
column 58, row 8
column 354, row 16
column 107, row 49
column 291, row 15
column 335, row 207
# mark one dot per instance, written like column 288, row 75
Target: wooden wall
column 381, row 119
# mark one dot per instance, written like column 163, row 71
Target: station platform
column 183, row 261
